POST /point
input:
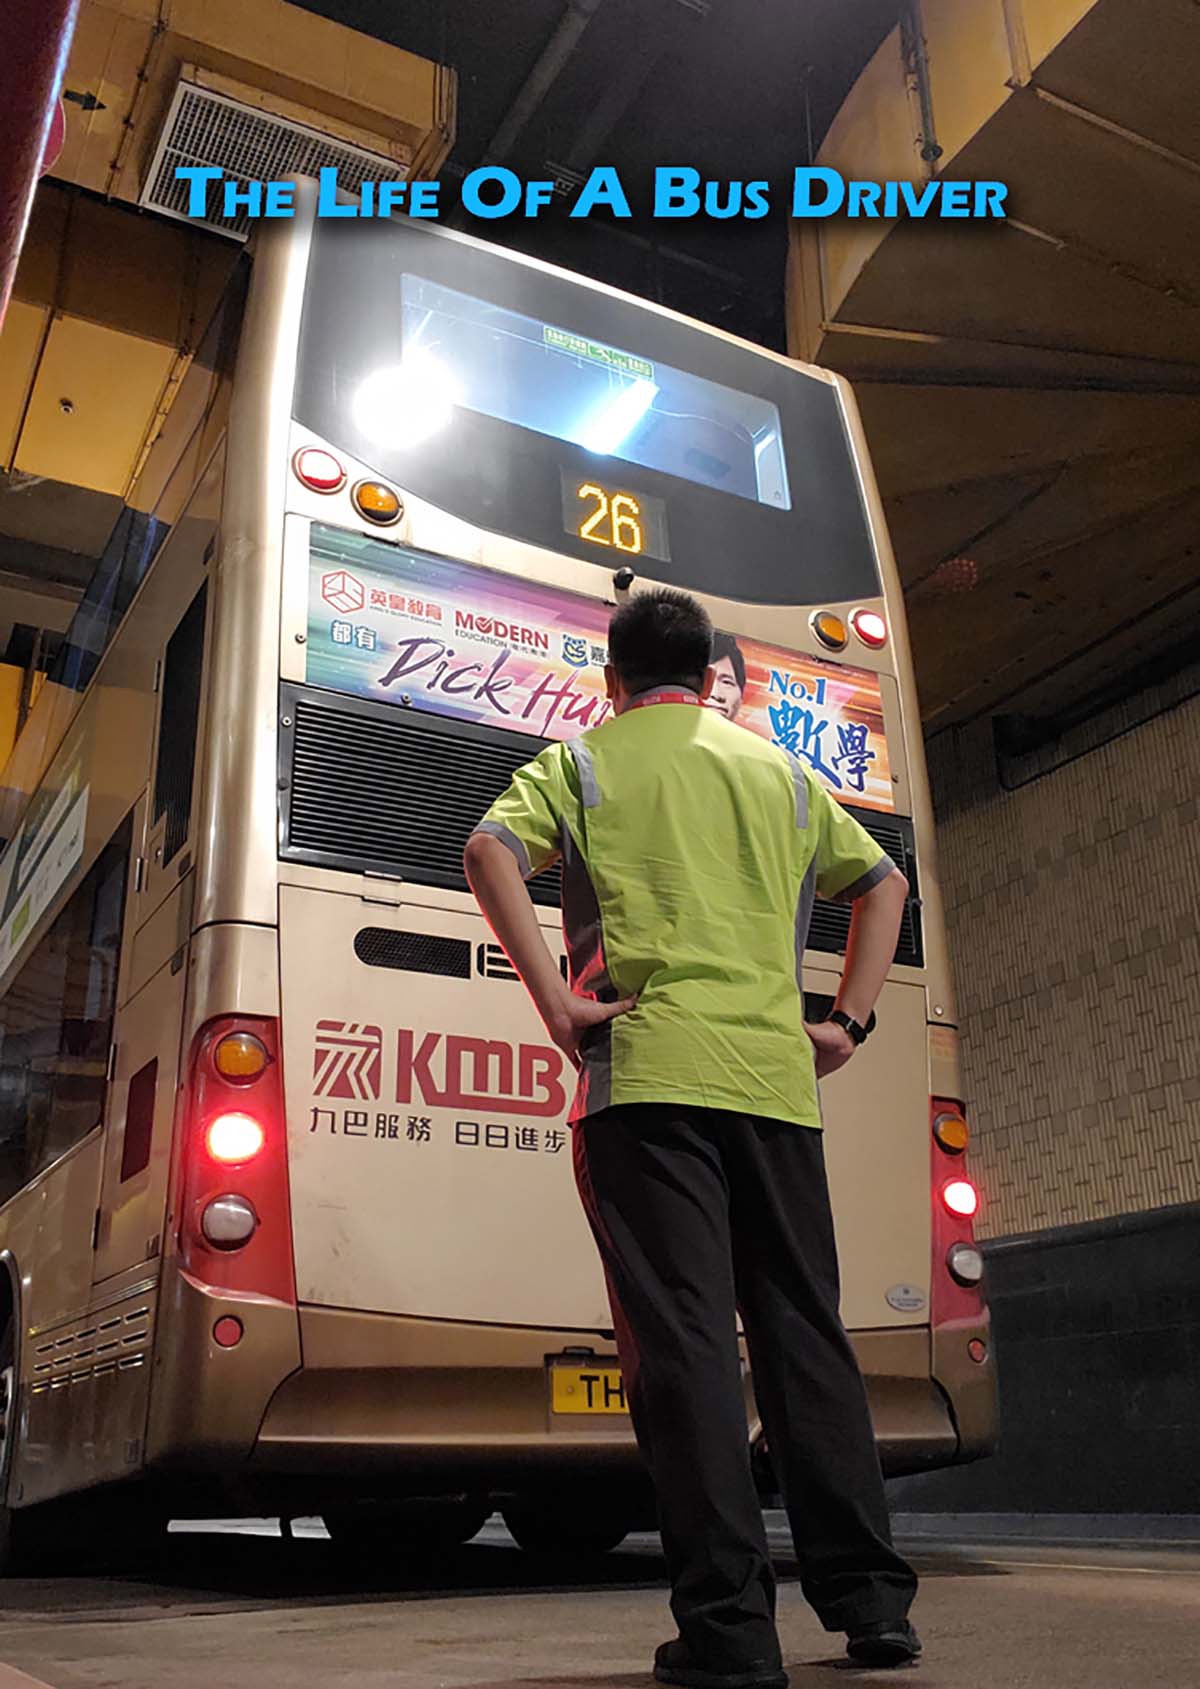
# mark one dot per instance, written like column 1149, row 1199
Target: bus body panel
column 429, row 1157
column 875, row 1113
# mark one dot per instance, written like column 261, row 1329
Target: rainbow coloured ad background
column 406, row 628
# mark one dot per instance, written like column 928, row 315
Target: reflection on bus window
column 459, row 350
column 56, row 1025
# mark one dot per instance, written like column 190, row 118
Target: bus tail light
column 235, row 1229
column 319, row 470
column 958, row 1268
column 965, row 1263
column 234, row 1139
column 961, row 1197
column 228, row 1222
column 870, row 627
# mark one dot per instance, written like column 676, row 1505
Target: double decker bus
column 288, row 1223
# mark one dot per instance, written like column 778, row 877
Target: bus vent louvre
column 830, row 924
column 376, row 788
column 413, row 952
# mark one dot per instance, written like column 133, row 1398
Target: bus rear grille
column 376, row 789
column 830, row 925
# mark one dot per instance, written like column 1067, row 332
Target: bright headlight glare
column 403, row 404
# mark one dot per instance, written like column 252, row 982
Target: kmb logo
column 347, row 1058
column 480, row 1073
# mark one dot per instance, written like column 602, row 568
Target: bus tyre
column 407, row 1528
column 17, row 1537
column 546, row 1528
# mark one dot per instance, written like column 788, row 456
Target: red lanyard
column 662, row 698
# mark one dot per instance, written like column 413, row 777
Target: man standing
column 691, row 852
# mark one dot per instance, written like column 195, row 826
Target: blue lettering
column 327, row 201
column 864, row 199
column 675, row 191
column 758, row 200
column 917, row 205
column 603, row 187
column 956, row 199
column 281, row 199
column 812, row 176
column 507, row 181
column 989, row 199
column 198, row 177
column 248, row 198
column 391, row 197
column 423, row 199
column 537, row 194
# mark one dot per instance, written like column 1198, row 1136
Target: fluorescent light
column 611, row 425
column 403, row 404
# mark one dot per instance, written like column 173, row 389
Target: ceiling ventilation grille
column 203, row 128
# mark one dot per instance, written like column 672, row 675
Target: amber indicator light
column 951, row 1132
column 829, row 629
column 377, row 502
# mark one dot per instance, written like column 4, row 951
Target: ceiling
column 1031, row 388
column 732, row 87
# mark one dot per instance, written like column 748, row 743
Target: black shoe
column 890, row 1642
column 673, row 1663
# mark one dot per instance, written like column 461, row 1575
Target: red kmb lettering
column 478, row 1073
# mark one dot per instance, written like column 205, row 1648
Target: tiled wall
column 1072, row 903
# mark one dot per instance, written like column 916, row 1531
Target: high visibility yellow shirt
column 691, row 852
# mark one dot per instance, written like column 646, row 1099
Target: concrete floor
column 248, row 1611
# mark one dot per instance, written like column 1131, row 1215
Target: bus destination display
column 614, row 518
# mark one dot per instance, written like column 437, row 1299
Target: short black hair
column 725, row 645
column 660, row 638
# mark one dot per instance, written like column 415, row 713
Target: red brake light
column 233, row 1139
column 961, row 1197
column 870, row 627
column 235, row 1230
column 319, row 470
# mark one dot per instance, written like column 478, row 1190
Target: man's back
column 691, row 853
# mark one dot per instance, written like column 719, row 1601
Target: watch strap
column 848, row 1024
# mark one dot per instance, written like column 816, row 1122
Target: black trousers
column 699, row 1213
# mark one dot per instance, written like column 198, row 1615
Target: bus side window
column 56, row 1022
column 174, row 772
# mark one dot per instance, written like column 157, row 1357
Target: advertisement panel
column 403, row 627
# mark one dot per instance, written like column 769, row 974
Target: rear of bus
column 453, row 453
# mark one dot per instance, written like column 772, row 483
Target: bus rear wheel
column 547, row 1527
column 18, row 1537
column 407, row 1527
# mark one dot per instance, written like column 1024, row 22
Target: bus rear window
column 531, row 404
column 611, row 401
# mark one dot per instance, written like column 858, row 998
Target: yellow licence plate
column 587, row 1389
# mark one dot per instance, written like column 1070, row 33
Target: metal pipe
column 916, row 64
column 541, row 78
column 35, row 38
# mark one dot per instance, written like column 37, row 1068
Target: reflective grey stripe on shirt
column 864, row 882
column 589, row 788
column 498, row 830
column 804, row 909
column 801, row 785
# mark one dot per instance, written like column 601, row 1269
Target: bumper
column 383, row 1393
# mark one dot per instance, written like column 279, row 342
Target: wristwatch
column 857, row 1032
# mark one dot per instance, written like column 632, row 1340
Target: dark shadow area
column 230, row 1571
